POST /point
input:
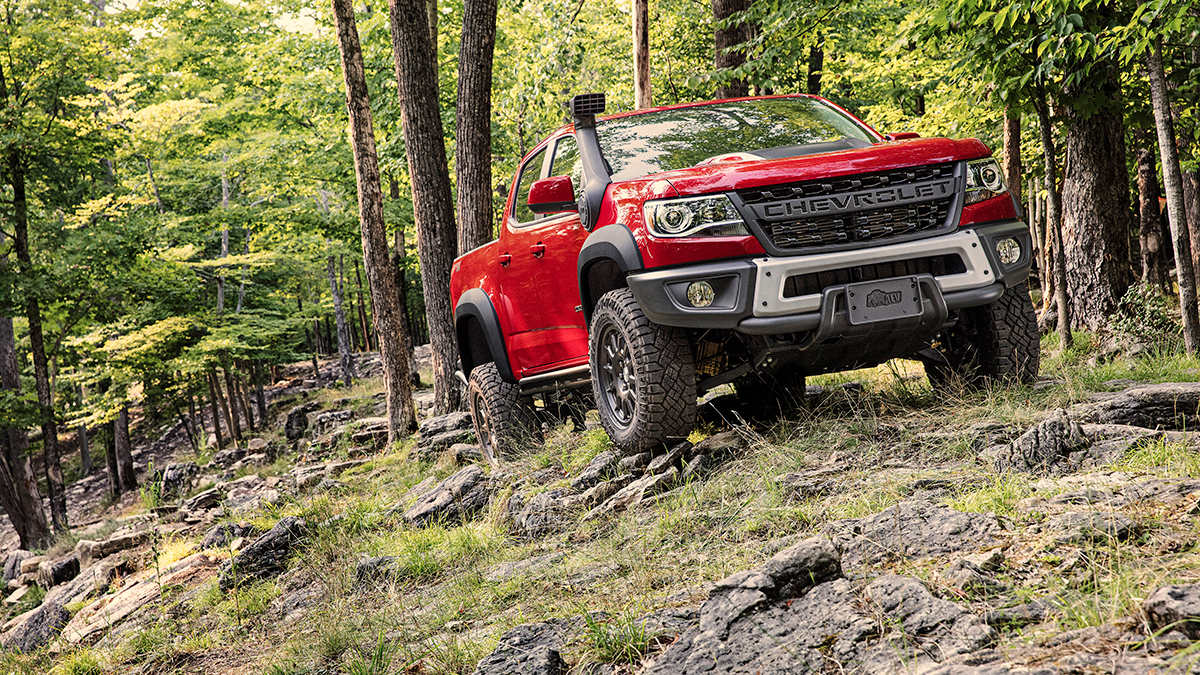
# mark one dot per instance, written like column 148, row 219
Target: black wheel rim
column 618, row 377
column 487, row 429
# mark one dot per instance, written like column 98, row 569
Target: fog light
column 1008, row 250
column 700, row 294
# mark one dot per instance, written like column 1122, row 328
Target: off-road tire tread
column 666, row 400
column 999, row 343
column 512, row 416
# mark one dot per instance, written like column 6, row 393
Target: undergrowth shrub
column 1145, row 316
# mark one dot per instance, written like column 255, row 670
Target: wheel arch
column 607, row 256
column 480, row 339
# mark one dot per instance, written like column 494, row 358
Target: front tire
column 998, row 342
column 503, row 421
column 643, row 375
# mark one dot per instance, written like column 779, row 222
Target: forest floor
column 918, row 519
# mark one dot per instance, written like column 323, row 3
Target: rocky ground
column 880, row 530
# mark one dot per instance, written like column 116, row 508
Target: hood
column 886, row 156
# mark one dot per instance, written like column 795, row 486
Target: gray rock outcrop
column 37, row 629
column 911, row 529
column 267, row 556
column 223, row 534
column 454, row 500
column 1176, row 606
column 529, row 649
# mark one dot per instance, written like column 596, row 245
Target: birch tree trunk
column 1176, row 210
column 388, row 318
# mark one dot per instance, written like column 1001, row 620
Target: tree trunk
column 214, row 403
column 223, row 402
column 431, row 18
column 641, row 54
column 362, row 305
column 1191, row 200
column 725, row 56
column 110, row 459
column 1154, row 264
column 33, row 312
column 1053, row 224
column 1096, row 214
column 85, row 452
column 387, row 316
column 258, row 392
column 125, row 470
column 402, row 291
column 231, row 400
column 473, row 137
column 1012, row 154
column 19, row 492
column 345, row 351
column 1173, row 181
column 432, row 204
column 816, row 62
column 244, row 399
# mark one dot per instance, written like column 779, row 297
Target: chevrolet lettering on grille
column 854, row 201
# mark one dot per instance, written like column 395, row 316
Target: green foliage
column 618, row 640
column 1145, row 317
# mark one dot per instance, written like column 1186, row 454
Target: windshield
column 638, row 145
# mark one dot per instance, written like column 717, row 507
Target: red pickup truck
column 653, row 255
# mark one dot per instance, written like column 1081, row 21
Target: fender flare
column 475, row 304
column 612, row 242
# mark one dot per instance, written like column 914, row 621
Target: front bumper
column 754, row 296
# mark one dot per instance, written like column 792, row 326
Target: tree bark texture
column 125, row 470
column 85, row 452
column 432, row 205
column 345, row 351
column 641, row 55
column 1096, row 213
column 1154, row 263
column 1012, row 154
column 19, row 492
column 41, row 372
column 725, row 39
column 110, row 460
column 362, row 308
column 402, row 291
column 1053, row 219
column 473, row 137
column 231, row 400
column 1173, row 182
column 384, row 299
column 214, row 403
column 816, row 62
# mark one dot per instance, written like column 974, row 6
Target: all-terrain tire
column 643, row 375
column 997, row 342
column 504, row 421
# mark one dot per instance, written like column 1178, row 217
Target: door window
column 567, row 162
column 531, row 171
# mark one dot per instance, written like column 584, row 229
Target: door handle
column 538, row 249
column 505, row 259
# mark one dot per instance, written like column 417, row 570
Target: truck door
column 520, row 301
column 563, row 236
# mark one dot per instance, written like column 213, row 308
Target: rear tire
column 998, row 342
column 643, row 375
column 504, row 422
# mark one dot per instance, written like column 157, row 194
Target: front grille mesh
column 816, row 282
column 808, row 231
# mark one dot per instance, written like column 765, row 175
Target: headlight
column 712, row 216
column 984, row 180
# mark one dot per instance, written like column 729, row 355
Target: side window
column 531, row 171
column 567, row 162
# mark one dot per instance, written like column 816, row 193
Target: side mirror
column 552, row 195
column 903, row 135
